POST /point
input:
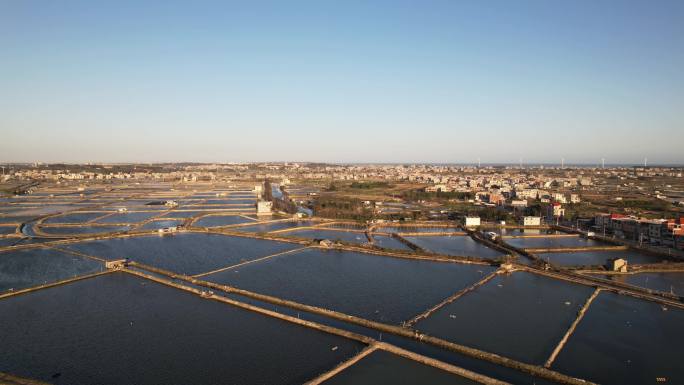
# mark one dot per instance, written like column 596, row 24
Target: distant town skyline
column 342, row 82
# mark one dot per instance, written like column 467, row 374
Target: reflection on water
column 118, row 329
column 624, row 340
column 381, row 288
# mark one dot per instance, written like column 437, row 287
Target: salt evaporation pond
column 381, row 367
column 120, row 329
column 458, row 245
column 415, row 229
column 221, row 220
column 333, row 235
column 380, row 288
column 665, row 282
column 389, row 243
column 160, row 224
column 26, row 268
column 520, row 315
column 182, row 214
column 519, row 231
column 623, row 340
column 184, row 253
column 78, row 230
column 598, row 257
column 553, row 242
column 267, row 227
column 127, row 217
column 74, row 217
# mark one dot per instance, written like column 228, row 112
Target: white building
column 531, row 221
column 264, row 207
column 472, row 221
column 519, row 203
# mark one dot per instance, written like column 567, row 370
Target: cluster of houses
column 662, row 232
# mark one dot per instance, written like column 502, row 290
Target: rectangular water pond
column 120, row 329
column 267, row 227
column 74, row 217
column 552, row 242
column 183, row 214
column 623, row 340
column 78, row 230
column 458, row 245
column 184, row 253
column 384, row 368
column 665, row 282
column 380, row 288
column 415, row 229
column 598, row 257
column 127, row 217
column 27, row 268
column 389, row 243
column 160, row 224
column 519, row 231
column 520, row 315
column 333, row 235
column 221, row 220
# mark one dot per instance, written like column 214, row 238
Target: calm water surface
column 25, row 268
column 119, row 329
column 185, row 253
column 74, row 218
column 599, row 257
column 455, row 245
column 665, row 282
column 389, row 243
column 333, row 235
column 380, row 288
column 127, row 218
column 624, row 340
column 519, row 315
column 553, row 242
column 74, row 230
column 221, row 220
column 266, row 227
column 381, row 367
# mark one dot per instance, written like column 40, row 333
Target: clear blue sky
column 345, row 81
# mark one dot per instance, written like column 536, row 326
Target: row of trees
column 415, row 195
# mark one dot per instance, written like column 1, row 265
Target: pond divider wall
column 535, row 370
column 541, row 250
column 408, row 243
column 607, row 285
column 451, row 298
column 249, row 262
column 571, row 329
column 53, row 284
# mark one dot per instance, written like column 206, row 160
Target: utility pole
column 645, row 162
